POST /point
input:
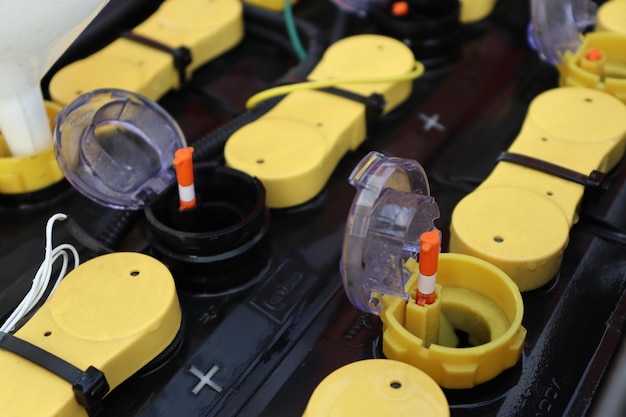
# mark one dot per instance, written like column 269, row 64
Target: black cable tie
column 595, row 180
column 374, row 103
column 182, row 55
column 89, row 386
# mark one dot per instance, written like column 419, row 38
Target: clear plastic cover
column 556, row 26
column 117, row 147
column 390, row 211
column 359, row 7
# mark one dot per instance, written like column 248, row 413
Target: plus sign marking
column 204, row 379
column 431, row 122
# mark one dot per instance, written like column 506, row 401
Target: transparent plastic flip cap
column 557, row 26
column 390, row 211
column 116, row 147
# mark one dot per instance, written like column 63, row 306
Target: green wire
column 293, row 33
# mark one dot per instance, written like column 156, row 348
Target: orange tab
column 429, row 252
column 184, row 166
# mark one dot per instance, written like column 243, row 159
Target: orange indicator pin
column 400, row 8
column 594, row 54
column 430, row 243
column 184, row 178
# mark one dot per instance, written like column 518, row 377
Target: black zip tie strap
column 182, row 55
column 594, row 180
column 374, row 103
column 89, row 386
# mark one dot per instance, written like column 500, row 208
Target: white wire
column 41, row 281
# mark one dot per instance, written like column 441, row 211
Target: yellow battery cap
column 205, row 28
column 377, row 387
column 612, row 17
column 294, row 148
column 519, row 218
column 475, row 10
column 115, row 313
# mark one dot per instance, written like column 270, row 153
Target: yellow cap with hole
column 519, row 218
column 115, row 313
column 206, row 29
column 377, row 387
column 294, row 148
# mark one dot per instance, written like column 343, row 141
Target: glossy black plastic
column 265, row 343
column 432, row 29
column 221, row 242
